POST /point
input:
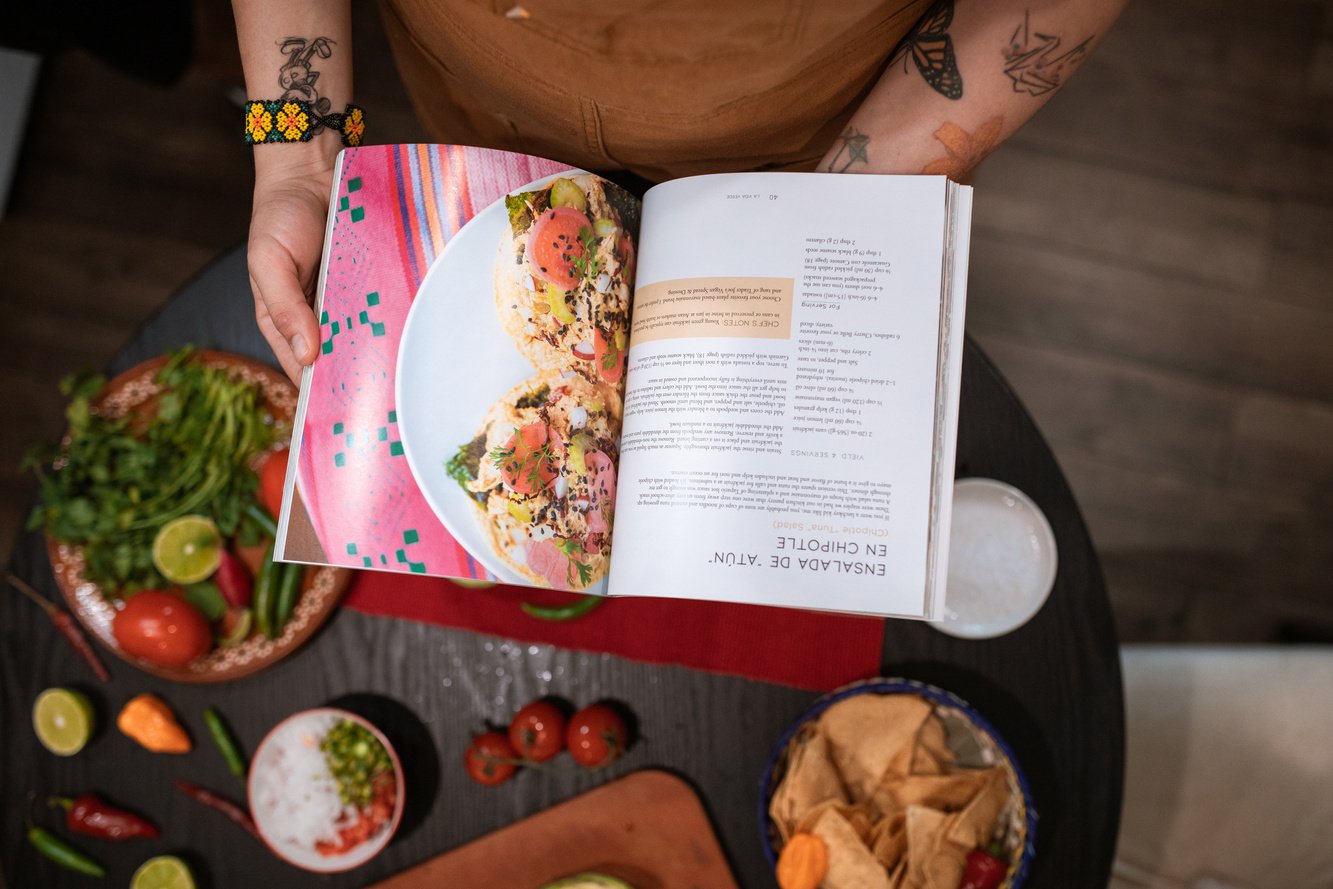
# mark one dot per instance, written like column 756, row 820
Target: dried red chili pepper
column 219, row 803
column 66, row 626
column 94, row 817
column 984, row 868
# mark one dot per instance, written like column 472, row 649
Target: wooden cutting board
column 648, row 828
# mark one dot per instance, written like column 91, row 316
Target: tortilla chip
column 924, row 829
column 860, row 821
column 932, row 755
column 948, row 793
column 944, row 869
column 856, row 816
column 898, row 876
column 975, row 824
column 806, row 823
column 810, row 779
column 870, row 735
column 850, row 864
column 889, row 841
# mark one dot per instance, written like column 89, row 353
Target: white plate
column 454, row 361
column 1002, row 560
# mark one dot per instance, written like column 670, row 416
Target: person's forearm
column 292, row 50
column 297, row 50
column 966, row 78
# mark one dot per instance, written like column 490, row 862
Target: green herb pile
column 355, row 758
column 120, row 480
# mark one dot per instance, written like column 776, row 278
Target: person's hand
column 286, row 238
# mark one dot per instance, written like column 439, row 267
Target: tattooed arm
column 297, row 49
column 964, row 79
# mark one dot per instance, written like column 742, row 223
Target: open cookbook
column 748, row 381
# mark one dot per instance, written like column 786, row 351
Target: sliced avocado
column 589, row 881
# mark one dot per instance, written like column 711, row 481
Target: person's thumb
column 279, row 295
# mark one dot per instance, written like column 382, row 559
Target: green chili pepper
column 289, row 590
column 266, row 593
column 262, row 518
column 222, row 737
column 62, row 853
column 563, row 612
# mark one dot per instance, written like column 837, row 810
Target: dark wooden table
column 1052, row 689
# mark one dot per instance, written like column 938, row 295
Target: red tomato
column 162, row 628
column 597, row 735
column 272, row 476
column 554, row 242
column 610, row 359
column 529, row 465
column 480, row 759
column 538, row 731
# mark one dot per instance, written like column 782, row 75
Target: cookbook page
column 463, row 415
column 780, row 415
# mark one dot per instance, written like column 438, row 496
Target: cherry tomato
column 162, row 628
column 272, row 477
column 597, row 735
column 538, row 731
column 480, row 759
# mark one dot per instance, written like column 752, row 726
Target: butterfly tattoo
column 931, row 48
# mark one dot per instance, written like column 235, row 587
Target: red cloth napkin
column 804, row 649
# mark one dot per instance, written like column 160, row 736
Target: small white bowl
column 306, row 857
column 1002, row 560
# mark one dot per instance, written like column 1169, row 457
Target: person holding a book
column 658, row 89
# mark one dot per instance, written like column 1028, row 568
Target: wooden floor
column 1152, row 269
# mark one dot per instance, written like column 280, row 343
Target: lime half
column 162, row 872
column 187, row 549
column 63, row 720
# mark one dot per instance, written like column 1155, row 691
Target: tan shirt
column 664, row 88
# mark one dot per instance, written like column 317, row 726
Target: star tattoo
column 854, row 149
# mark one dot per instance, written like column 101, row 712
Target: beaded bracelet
column 292, row 120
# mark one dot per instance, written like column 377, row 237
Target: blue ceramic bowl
column 990, row 749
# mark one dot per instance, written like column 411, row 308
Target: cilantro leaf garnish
column 589, row 265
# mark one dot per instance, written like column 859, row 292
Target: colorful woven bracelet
column 292, row 120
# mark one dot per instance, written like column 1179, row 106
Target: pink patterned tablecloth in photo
column 396, row 207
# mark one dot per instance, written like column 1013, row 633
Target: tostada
column 542, row 470
column 564, row 275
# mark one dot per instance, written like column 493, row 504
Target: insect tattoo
column 930, row 47
column 1032, row 63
